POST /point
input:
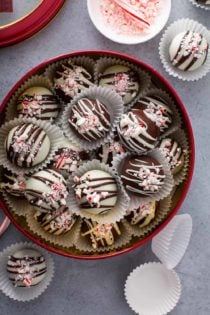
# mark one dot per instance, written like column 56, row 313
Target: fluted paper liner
column 54, row 133
column 19, row 206
column 84, row 61
column 84, row 244
column 173, row 30
column 151, row 289
column 164, row 191
column 200, row 5
column 171, row 243
column 36, row 80
column 18, row 293
column 144, row 78
column 112, row 216
column 65, row 240
column 114, row 105
column 163, row 209
column 180, row 137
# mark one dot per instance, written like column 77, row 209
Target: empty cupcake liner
column 163, row 209
column 18, row 206
column 85, row 62
column 18, row 293
column 200, row 5
column 84, row 243
column 36, row 80
column 173, row 30
column 164, row 191
column 171, row 243
column 182, row 140
column 151, row 289
column 112, row 216
column 66, row 240
column 54, row 133
column 144, row 78
column 114, row 105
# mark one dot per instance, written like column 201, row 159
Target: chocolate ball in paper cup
column 35, row 98
column 25, row 271
column 144, row 219
column 171, row 243
column 151, row 289
column 202, row 4
column 96, row 192
column 184, row 50
column 95, row 237
column 175, row 148
column 71, row 76
column 145, row 177
column 28, row 145
column 90, row 119
column 60, row 227
column 126, row 79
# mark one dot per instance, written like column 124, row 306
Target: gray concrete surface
column 84, row 287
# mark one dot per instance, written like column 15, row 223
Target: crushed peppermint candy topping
column 58, row 192
column 116, row 147
column 131, row 127
column 150, row 179
column 121, row 82
column 60, row 219
column 159, row 115
column 31, row 105
column 130, row 17
column 67, row 159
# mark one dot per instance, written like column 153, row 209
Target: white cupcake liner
column 18, row 206
column 54, row 133
column 165, row 190
column 182, row 140
column 114, row 105
column 66, row 240
column 24, row 294
column 112, row 216
column 86, row 62
column 151, row 289
column 163, row 209
column 176, row 118
column 200, row 5
column 84, row 244
column 36, row 80
column 144, row 78
column 171, row 243
column 174, row 29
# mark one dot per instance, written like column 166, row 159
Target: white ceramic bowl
column 98, row 20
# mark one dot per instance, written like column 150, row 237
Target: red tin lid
column 22, row 19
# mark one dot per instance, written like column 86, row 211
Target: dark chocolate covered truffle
column 156, row 109
column 137, row 132
column 46, row 190
column 96, row 191
column 38, row 102
column 188, row 51
column 122, row 80
column 142, row 175
column 27, row 145
column 90, row 119
column 72, row 79
column 26, row 268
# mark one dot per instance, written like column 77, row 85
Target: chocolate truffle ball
column 46, row 190
column 26, row 268
column 13, row 184
column 90, row 119
column 143, row 215
column 38, row 102
column 137, row 132
column 68, row 160
column 156, row 109
column 27, row 145
column 96, row 191
column 100, row 235
column 142, row 176
column 58, row 222
column 122, row 80
column 173, row 153
column 188, row 51
column 72, row 79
